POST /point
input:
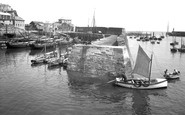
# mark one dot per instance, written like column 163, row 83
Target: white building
column 5, row 18
column 8, row 16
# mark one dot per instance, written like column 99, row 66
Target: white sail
column 142, row 65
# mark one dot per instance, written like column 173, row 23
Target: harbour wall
column 101, row 61
column 176, row 33
column 103, row 30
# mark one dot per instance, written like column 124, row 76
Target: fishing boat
column 172, row 76
column 152, row 41
column 54, row 62
column 173, row 49
column 43, row 42
column 57, row 61
column 141, row 75
column 17, row 43
column 44, row 58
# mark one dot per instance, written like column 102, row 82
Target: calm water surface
column 37, row 90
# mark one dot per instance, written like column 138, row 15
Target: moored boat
column 43, row 42
column 17, row 43
column 152, row 41
column 44, row 58
column 174, row 49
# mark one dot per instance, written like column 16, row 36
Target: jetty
column 100, row 61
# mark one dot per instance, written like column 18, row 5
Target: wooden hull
column 152, row 42
column 154, row 84
column 55, row 62
column 44, row 59
column 173, row 49
column 17, row 45
column 172, row 77
column 39, row 61
column 41, row 46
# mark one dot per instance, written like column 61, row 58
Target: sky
column 133, row 15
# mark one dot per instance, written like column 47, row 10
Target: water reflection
column 173, row 80
column 122, row 100
column 15, row 51
column 141, row 103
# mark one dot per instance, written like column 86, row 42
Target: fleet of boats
column 175, row 49
column 141, row 75
column 153, row 39
column 17, row 43
column 37, row 42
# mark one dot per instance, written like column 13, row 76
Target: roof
column 18, row 18
column 37, row 23
column 7, row 14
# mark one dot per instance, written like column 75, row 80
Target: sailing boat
column 142, row 68
column 182, row 48
column 173, row 49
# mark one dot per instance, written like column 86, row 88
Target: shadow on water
column 173, row 80
column 55, row 68
column 39, row 51
column 141, row 102
column 18, row 50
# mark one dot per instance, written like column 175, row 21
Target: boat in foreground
column 142, row 68
column 142, row 83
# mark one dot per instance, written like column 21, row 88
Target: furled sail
column 142, row 65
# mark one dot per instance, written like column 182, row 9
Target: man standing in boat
column 165, row 72
column 123, row 76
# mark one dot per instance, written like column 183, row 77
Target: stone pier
column 97, row 62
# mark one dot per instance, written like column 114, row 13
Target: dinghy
column 172, row 76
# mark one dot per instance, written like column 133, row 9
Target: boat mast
column 150, row 67
column 181, row 42
column 93, row 23
column 45, row 51
column 167, row 29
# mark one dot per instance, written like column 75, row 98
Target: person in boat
column 165, row 72
column 175, row 72
column 123, row 76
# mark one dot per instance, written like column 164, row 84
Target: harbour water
column 37, row 90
